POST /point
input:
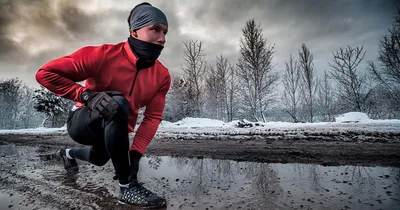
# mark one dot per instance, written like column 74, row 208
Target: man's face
column 153, row 33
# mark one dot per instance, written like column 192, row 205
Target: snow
column 353, row 117
column 193, row 123
column 203, row 127
column 36, row 131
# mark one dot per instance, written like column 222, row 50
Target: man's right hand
column 102, row 103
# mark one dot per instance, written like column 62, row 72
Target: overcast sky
column 34, row 32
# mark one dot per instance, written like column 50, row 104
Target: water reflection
column 396, row 171
column 155, row 162
column 200, row 183
column 280, row 186
column 8, row 150
column 314, row 178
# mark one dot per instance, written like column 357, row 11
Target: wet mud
column 32, row 177
column 341, row 148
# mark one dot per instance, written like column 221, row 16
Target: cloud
column 9, row 48
column 34, row 32
column 323, row 25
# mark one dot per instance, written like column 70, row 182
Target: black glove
column 102, row 103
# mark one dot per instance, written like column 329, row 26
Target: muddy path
column 205, row 173
column 378, row 149
column 32, row 177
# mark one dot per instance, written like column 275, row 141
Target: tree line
column 252, row 88
column 24, row 107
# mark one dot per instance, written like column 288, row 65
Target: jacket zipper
column 133, row 83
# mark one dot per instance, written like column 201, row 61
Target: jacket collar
column 129, row 54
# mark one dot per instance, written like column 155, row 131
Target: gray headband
column 145, row 15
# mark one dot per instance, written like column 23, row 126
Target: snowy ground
column 349, row 122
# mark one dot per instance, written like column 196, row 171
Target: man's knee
column 123, row 104
column 82, row 128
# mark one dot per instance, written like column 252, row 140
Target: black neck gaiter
column 146, row 52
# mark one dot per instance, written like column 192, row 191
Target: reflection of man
column 120, row 79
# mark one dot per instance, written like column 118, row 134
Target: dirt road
column 351, row 148
column 319, row 173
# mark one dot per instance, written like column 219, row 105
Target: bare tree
column 387, row 73
column 231, row 93
column 352, row 86
column 194, row 71
column 309, row 80
column 9, row 102
column 221, row 88
column 325, row 98
column 213, row 97
column 380, row 105
column 176, row 101
column 222, row 68
column 28, row 117
column 291, row 83
column 255, row 70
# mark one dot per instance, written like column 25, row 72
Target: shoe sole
column 162, row 205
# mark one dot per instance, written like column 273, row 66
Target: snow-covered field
column 36, row 131
column 352, row 121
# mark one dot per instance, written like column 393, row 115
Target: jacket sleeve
column 152, row 119
column 60, row 75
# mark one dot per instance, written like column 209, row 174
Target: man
column 120, row 79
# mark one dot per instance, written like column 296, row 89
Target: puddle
column 8, row 201
column 230, row 184
column 201, row 183
column 15, row 201
column 8, row 150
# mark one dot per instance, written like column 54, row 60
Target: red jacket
column 113, row 68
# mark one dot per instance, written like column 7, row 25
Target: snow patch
column 39, row 131
column 353, row 117
column 202, row 127
column 190, row 122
